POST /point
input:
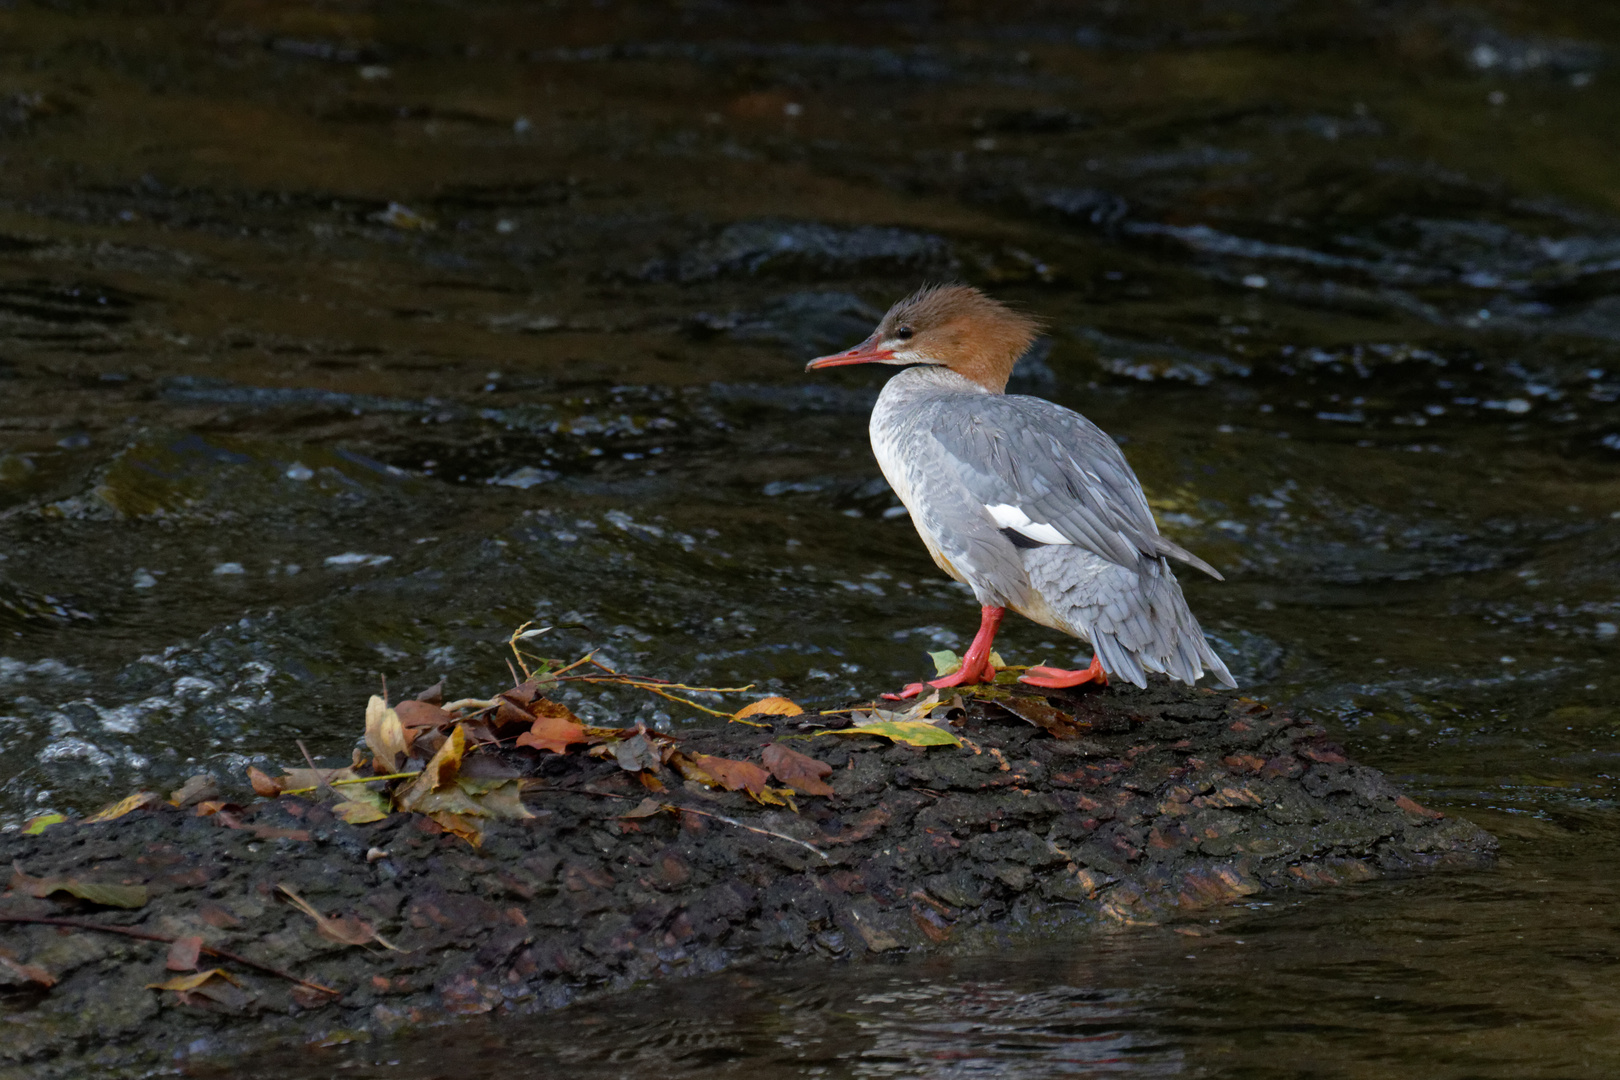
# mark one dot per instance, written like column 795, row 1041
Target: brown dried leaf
column 636, row 753
column 547, row 707
column 422, row 714
column 468, row 827
column 385, row 735
column 497, row 798
column 733, row 775
column 771, row 706
column 646, row 808
column 348, row 930
column 199, row 788
column 798, row 771
column 1034, row 710
column 31, row 972
column 523, row 693
column 303, row 780
column 510, row 714
column 433, row 695
column 553, row 733
column 184, row 953
column 263, row 785
column 123, row 806
column 690, row 770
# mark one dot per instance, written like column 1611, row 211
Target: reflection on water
column 337, row 340
column 1502, row 974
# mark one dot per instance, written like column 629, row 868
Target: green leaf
column 911, row 732
column 945, row 662
column 39, row 824
column 124, row 896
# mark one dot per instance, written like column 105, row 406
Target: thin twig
column 320, row 777
column 475, row 704
column 223, row 954
column 692, row 810
column 356, row 780
column 511, row 643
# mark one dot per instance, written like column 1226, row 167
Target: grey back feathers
column 1037, row 509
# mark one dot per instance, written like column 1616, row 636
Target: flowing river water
column 339, row 339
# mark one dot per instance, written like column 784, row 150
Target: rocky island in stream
column 520, row 875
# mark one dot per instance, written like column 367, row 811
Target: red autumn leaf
column 553, row 733
column 733, row 775
column 798, row 771
column 183, row 953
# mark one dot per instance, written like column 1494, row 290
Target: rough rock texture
column 1155, row 804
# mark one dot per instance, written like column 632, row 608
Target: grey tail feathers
column 1181, row 554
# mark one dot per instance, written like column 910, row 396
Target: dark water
column 337, row 340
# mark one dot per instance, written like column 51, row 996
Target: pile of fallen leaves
column 466, row 762
column 460, row 763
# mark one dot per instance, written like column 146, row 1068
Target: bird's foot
column 986, row 673
column 1051, row 678
column 911, row 691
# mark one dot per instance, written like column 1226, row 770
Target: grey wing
column 1055, row 477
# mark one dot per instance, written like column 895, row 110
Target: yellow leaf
column 194, row 980
column 775, row 796
column 122, row 807
column 470, row 829
column 385, row 734
column 356, row 812
column 771, row 706
column 912, row 732
column 37, row 825
column 439, row 774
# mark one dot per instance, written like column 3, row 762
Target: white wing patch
column 1008, row 516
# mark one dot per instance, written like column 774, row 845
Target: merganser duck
column 1029, row 504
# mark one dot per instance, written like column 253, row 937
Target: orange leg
column 1052, row 678
column 975, row 667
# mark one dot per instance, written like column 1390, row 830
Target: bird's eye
column 904, row 333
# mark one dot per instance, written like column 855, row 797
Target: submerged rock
column 1119, row 806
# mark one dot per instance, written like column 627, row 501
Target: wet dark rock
column 1089, row 206
column 809, row 323
column 1173, row 801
